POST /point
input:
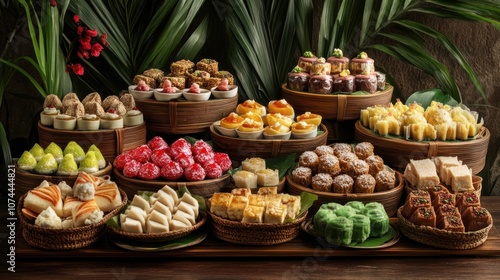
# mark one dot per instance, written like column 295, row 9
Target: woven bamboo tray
column 390, row 199
column 111, row 142
column 121, row 235
column 184, row 117
column 205, row 188
column 440, row 238
column 337, row 107
column 64, row 239
column 26, row 181
column 255, row 234
column 240, row 149
column 398, row 152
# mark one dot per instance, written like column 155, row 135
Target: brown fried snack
column 54, row 101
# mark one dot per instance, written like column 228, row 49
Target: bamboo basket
column 338, row 107
column 26, row 181
column 390, row 198
column 111, row 142
column 184, row 117
column 64, row 239
column 440, row 238
column 205, row 188
column 398, row 152
column 157, row 237
column 255, row 234
column 240, row 149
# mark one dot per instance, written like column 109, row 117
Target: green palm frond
column 358, row 25
column 141, row 35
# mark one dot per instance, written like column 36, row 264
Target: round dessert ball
column 180, row 145
column 160, row 157
column 184, row 160
column 131, row 168
column 329, row 163
column 194, row 172
column 142, row 154
column 157, row 143
column 343, row 184
column 213, row 170
column 309, row 159
column 345, row 160
column 375, row 164
column 121, row 160
column 357, row 167
column 171, row 171
column 386, row 180
column 223, row 160
column 149, row 171
column 322, row 182
column 200, row 145
column 363, row 150
column 204, row 156
column 364, row 184
column 303, row 176
column 323, row 150
column 341, row 148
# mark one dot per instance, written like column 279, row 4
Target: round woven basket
column 476, row 183
column 121, row 235
column 205, row 188
column 184, row 117
column 64, row 239
column 26, row 181
column 255, row 234
column 337, row 107
column 398, row 152
column 111, row 142
column 390, row 199
column 440, row 238
column 240, row 149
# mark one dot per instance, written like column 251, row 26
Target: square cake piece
column 275, row 213
column 257, row 200
column 442, row 163
column 253, row 164
column 292, row 203
column 253, row 214
column 236, row 208
column 460, row 178
column 267, row 190
column 246, row 192
column 219, row 203
column 422, row 173
column 245, row 179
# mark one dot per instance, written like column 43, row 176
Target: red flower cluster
column 89, row 44
column 53, row 3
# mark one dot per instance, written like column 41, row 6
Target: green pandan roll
column 357, row 205
column 55, row 150
column 37, row 151
column 361, row 228
column 379, row 222
column 339, row 231
column 345, row 211
column 373, row 205
column 68, row 166
column 321, row 219
column 76, row 150
column 333, row 206
column 89, row 163
column 27, row 161
column 100, row 158
column 47, row 165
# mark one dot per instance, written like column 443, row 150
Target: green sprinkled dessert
column 339, row 231
column 27, row 161
column 100, row 158
column 89, row 163
column 76, row 150
column 68, row 166
column 47, row 165
column 55, row 150
column 321, row 219
column 37, row 151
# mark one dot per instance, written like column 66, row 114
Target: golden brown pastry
column 364, row 184
column 303, row 176
column 386, row 180
column 75, row 109
column 322, row 182
column 323, row 150
column 106, row 103
column 92, row 97
column 53, row 100
column 181, row 67
column 107, row 196
column 154, row 73
column 329, row 163
column 86, row 213
column 345, row 160
column 424, row 216
column 45, row 196
column 128, row 101
column 357, row 167
column 92, row 107
column 118, row 107
column 149, row 81
column 209, row 65
column 343, row 184
column 309, row 159
column 476, row 218
column 363, row 150
column 341, row 148
column 452, row 222
column 375, row 164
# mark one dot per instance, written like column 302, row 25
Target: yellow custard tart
column 251, row 105
column 277, row 131
column 88, row 122
column 278, row 118
column 304, row 130
column 310, row 118
column 250, row 129
column 232, row 121
column 65, row 122
column 281, row 106
column 111, row 120
column 253, row 116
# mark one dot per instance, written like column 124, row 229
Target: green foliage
column 425, row 97
column 141, row 35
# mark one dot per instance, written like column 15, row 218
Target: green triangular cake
column 27, row 161
column 100, row 158
column 47, row 165
column 76, row 150
column 55, row 150
column 37, row 151
column 89, row 163
column 68, row 166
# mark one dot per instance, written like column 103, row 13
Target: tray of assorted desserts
column 267, row 184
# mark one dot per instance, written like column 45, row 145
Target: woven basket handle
column 341, row 107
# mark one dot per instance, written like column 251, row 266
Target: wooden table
column 302, row 258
